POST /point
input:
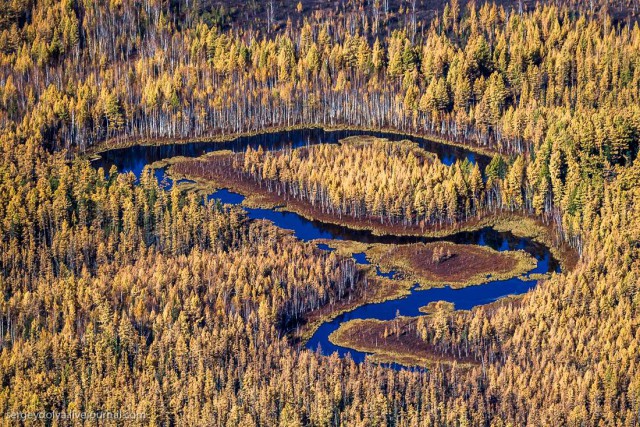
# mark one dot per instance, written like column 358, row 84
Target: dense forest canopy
column 116, row 294
column 394, row 182
column 549, row 82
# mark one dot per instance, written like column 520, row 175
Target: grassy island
column 439, row 263
column 394, row 341
column 430, row 265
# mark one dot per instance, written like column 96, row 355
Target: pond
column 134, row 159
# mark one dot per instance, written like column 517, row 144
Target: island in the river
column 363, row 183
column 440, row 262
column 390, row 188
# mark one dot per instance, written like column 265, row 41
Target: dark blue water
column 307, row 230
column 361, row 258
column 134, row 159
column 389, row 274
column 302, row 228
column 465, row 298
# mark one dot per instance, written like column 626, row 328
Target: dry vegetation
column 435, row 264
column 121, row 296
column 440, row 263
column 370, row 290
column 365, row 182
column 394, row 341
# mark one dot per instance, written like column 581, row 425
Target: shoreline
column 379, row 289
column 411, row 262
column 118, row 143
column 385, row 289
column 393, row 341
column 405, row 349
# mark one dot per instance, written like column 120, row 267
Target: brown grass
column 392, row 341
column 468, row 265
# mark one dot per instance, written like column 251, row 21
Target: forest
column 120, row 295
column 548, row 82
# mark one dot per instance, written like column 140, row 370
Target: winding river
column 135, row 158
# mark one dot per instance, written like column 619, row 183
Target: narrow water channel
column 134, row 159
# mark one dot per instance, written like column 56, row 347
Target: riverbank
column 438, row 263
column 398, row 340
column 376, row 297
column 370, row 290
column 393, row 341
column 468, row 265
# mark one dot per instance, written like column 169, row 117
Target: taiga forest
column 320, row 213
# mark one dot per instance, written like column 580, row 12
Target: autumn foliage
column 117, row 294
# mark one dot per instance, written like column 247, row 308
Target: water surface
column 135, row 159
